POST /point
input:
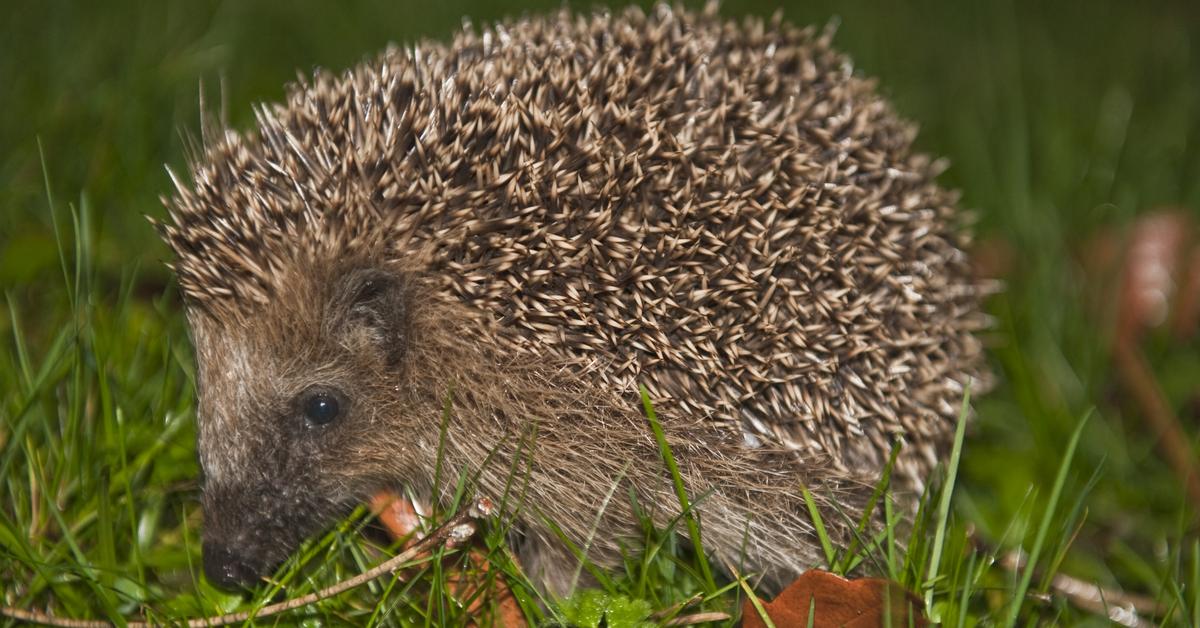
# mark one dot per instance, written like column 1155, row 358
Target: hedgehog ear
column 377, row 310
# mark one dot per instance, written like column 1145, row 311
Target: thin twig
column 698, row 618
column 456, row 530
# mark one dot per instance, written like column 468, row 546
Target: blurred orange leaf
column 1155, row 283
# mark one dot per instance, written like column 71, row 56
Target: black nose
column 226, row 569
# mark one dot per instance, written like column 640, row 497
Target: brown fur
column 533, row 221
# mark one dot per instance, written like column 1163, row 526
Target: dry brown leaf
column 837, row 601
column 398, row 515
column 497, row 605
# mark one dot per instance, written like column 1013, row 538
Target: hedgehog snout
column 227, row 569
column 250, row 529
column 240, row 526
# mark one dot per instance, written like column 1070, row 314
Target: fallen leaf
column 831, row 600
column 398, row 515
column 497, row 606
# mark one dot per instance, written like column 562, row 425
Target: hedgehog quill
column 541, row 216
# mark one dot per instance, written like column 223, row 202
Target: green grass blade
column 1196, row 583
column 819, row 527
column 943, row 512
column 965, row 595
column 755, row 602
column 881, row 489
column 58, row 235
column 680, row 490
column 1047, row 519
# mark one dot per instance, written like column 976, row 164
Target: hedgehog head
column 323, row 355
column 289, row 394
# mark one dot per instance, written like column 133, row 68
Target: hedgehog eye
column 321, row 408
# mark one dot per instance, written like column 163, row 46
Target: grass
column 1043, row 529
column 1061, row 119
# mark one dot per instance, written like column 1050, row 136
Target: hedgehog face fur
column 535, row 219
column 305, row 388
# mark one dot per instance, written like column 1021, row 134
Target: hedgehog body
column 527, row 224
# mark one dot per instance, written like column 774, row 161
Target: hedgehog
column 466, row 260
